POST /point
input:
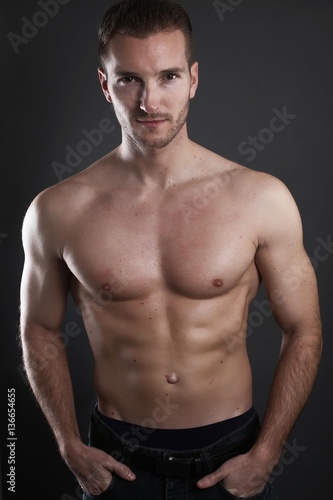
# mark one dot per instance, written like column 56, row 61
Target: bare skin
column 163, row 246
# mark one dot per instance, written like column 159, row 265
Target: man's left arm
column 291, row 287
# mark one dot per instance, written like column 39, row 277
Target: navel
column 172, row 378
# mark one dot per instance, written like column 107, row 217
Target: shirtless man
column 163, row 245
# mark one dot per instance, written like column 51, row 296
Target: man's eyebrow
column 123, row 73
column 173, row 70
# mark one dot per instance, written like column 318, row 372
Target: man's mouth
column 151, row 123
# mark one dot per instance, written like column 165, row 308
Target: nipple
column 217, row 282
column 172, row 378
column 105, row 292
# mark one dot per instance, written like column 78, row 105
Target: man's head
column 141, row 18
column 145, row 48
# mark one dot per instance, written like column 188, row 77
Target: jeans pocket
column 259, row 496
column 105, row 494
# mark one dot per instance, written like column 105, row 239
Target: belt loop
column 207, row 463
column 127, row 452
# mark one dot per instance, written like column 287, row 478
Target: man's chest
column 129, row 250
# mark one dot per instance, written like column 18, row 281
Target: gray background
column 263, row 55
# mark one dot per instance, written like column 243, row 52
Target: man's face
column 150, row 86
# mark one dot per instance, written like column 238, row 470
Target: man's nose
column 150, row 98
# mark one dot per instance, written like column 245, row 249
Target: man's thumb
column 123, row 471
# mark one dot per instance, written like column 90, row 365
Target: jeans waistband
column 169, row 462
column 176, row 439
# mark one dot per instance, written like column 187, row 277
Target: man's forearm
column 46, row 365
column 292, row 384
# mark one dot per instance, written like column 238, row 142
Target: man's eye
column 127, row 79
column 171, row 76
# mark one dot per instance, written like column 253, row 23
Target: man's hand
column 243, row 476
column 93, row 468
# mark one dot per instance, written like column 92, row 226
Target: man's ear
column 103, row 79
column 194, row 79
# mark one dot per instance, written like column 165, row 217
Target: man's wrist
column 268, row 456
column 69, row 446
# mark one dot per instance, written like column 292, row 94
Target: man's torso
column 163, row 280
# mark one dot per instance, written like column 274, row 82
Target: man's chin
column 155, row 146
column 152, row 144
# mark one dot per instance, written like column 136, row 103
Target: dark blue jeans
column 166, row 475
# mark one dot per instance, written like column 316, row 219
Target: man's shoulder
column 268, row 200
column 268, row 194
column 258, row 183
column 53, row 201
column 70, row 195
column 263, row 195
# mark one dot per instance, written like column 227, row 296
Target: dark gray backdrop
column 257, row 58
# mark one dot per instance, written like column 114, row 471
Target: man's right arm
column 44, row 290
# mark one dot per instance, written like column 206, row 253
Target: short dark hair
column 141, row 18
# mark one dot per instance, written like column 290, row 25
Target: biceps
column 291, row 287
column 44, row 289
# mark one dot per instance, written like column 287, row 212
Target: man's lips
column 152, row 123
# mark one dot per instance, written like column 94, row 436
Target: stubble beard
column 151, row 143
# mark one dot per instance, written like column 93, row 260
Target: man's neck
column 160, row 168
